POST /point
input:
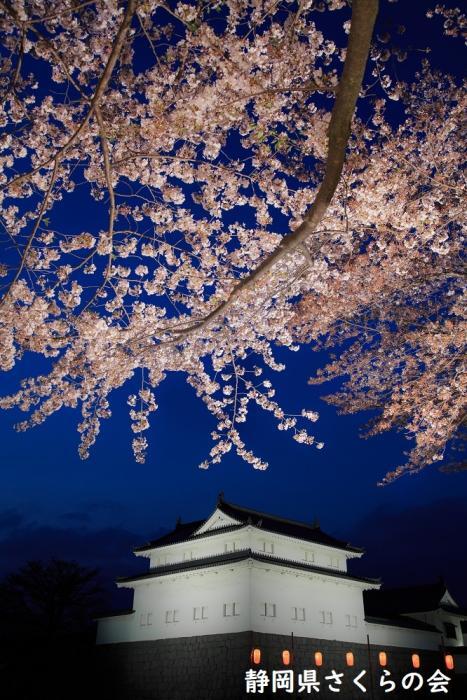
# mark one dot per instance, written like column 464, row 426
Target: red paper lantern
column 449, row 661
column 256, row 656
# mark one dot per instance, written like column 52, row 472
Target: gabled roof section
column 217, row 520
column 408, row 599
column 282, row 526
column 447, row 599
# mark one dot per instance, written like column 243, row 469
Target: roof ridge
column 312, row 528
column 191, row 522
column 194, row 536
column 179, row 526
column 270, row 515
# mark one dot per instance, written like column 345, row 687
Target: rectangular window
column 267, row 547
column 229, row 547
column 450, row 630
column 200, row 613
column 268, row 610
column 350, row 620
column 298, row 614
column 334, row 562
column 145, row 619
column 187, row 556
column 308, row 556
column 171, row 616
column 325, row 617
column 231, row 610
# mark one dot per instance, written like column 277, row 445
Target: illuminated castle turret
column 256, row 578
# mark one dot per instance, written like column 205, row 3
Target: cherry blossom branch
column 60, row 61
column 16, row 74
column 112, row 205
column 309, row 87
column 179, row 159
column 29, row 243
column 94, row 101
column 364, row 14
column 47, row 18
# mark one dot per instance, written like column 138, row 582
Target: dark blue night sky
column 54, row 504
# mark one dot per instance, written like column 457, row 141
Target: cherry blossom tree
column 396, row 304
column 243, row 190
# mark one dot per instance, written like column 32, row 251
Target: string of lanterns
column 287, row 658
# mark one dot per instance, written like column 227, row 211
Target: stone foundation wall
column 212, row 667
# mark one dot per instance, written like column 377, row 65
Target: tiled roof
column 283, row 526
column 270, row 523
column 409, row 599
column 181, row 532
column 457, row 610
column 115, row 613
column 232, row 557
column 184, row 533
column 400, row 621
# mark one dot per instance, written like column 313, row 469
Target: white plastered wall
column 389, row 635
column 249, row 584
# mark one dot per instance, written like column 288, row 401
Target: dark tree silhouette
column 46, row 631
column 49, row 599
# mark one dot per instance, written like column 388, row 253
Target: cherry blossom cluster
column 155, row 154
